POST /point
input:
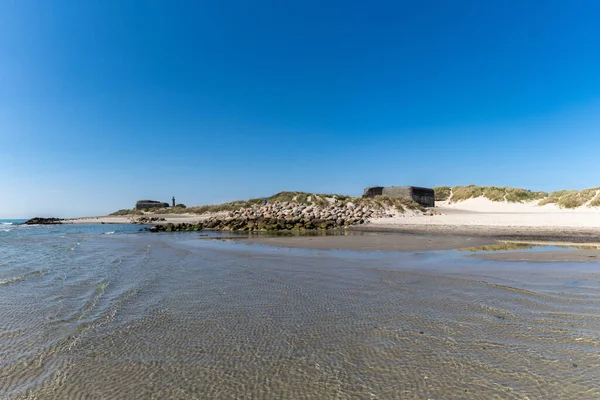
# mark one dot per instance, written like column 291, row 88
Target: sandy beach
column 500, row 220
column 470, row 223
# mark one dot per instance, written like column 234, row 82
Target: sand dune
column 480, row 214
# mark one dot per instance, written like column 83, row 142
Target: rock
column 276, row 216
column 317, row 222
column 44, row 221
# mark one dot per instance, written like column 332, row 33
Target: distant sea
column 112, row 312
column 8, row 222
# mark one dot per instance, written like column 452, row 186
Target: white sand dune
column 484, row 212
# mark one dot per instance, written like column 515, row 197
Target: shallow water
column 127, row 315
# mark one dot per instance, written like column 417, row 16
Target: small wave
column 5, row 230
column 109, row 233
column 21, row 277
column 7, row 223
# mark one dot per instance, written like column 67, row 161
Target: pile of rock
column 147, row 220
column 43, row 221
column 294, row 216
column 280, row 216
column 170, row 227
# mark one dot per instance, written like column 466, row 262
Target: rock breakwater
column 284, row 216
column 43, row 221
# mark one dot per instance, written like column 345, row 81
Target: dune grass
column 595, row 202
column 562, row 198
column 516, row 195
column 442, row 193
column 305, row 198
column 127, row 212
column 495, row 193
column 281, row 197
column 572, row 198
column 385, row 202
column 461, row 193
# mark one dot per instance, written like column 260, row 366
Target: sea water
column 110, row 312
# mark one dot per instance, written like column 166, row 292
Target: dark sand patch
column 503, row 233
column 373, row 242
column 544, row 256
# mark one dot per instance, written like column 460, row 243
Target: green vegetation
column 442, row 193
column 572, row 198
column 321, row 200
column 562, row 198
column 595, row 202
column 553, row 197
column 516, row 195
column 127, row 212
column 494, row 193
column 510, row 246
column 281, row 197
column 385, row 202
column 460, row 193
column 502, row 246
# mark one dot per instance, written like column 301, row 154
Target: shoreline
column 477, row 223
column 355, row 241
column 482, row 248
column 500, row 233
column 525, row 233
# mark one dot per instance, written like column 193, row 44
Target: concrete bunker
column 420, row 195
column 149, row 204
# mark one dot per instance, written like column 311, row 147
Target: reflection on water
column 169, row 316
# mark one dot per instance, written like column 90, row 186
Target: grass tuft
column 442, row 193
column 595, row 202
column 460, row 193
column 515, row 195
column 127, row 212
column 572, row 198
column 494, row 193
column 320, row 200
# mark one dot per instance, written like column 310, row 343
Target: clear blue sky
column 106, row 102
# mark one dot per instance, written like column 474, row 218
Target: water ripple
column 140, row 316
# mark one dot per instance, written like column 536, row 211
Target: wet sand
column 513, row 233
column 483, row 248
column 141, row 316
column 406, row 236
column 575, row 255
column 373, row 242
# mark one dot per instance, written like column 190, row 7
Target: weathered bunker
column 147, row 204
column 420, row 195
